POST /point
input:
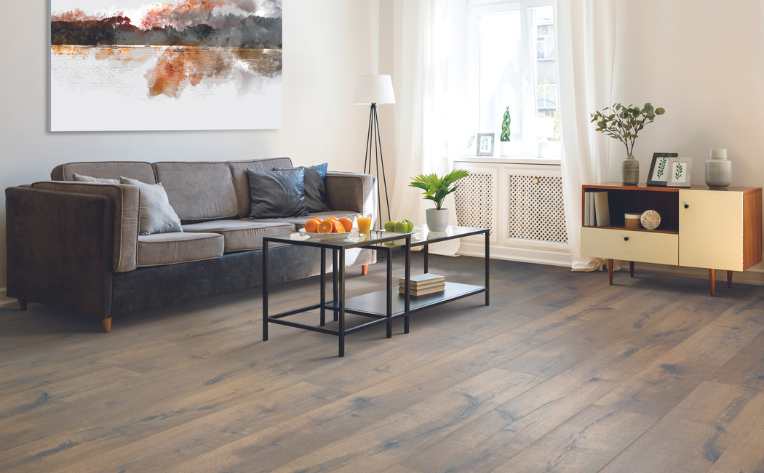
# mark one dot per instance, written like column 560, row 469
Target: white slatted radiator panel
column 523, row 206
column 476, row 199
column 535, row 210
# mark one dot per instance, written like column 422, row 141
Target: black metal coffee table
column 381, row 306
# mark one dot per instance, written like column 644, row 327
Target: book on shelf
column 423, row 284
column 596, row 209
column 601, row 209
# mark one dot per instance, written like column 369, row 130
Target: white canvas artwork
column 165, row 65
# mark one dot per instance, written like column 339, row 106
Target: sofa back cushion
column 199, row 191
column 105, row 170
column 241, row 181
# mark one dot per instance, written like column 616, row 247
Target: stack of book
column 423, row 285
column 596, row 209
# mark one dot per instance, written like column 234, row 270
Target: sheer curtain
column 587, row 36
column 430, row 76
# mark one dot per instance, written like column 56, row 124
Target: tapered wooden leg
column 106, row 324
column 729, row 278
column 712, row 282
column 365, row 270
column 23, row 305
column 610, row 271
column 631, row 268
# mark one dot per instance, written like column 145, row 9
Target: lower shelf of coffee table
column 375, row 303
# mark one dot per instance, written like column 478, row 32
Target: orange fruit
column 325, row 227
column 347, row 223
column 338, row 227
column 311, row 225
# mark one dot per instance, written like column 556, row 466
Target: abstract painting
column 123, row 65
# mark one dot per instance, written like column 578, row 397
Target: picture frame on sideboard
column 659, row 169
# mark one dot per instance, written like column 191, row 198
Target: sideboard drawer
column 626, row 245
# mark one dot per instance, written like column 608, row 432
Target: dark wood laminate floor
column 561, row 374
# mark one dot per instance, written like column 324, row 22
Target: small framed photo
column 679, row 172
column 485, row 143
column 659, row 169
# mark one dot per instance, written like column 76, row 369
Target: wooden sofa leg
column 23, row 305
column 365, row 270
column 106, row 324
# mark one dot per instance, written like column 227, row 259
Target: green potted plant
column 624, row 123
column 506, row 131
column 436, row 189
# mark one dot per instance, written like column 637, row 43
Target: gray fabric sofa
column 77, row 245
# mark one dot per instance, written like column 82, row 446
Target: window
column 513, row 62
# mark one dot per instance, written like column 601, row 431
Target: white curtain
column 430, row 78
column 587, row 42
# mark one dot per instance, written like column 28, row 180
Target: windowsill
column 510, row 160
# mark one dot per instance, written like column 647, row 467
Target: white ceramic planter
column 437, row 220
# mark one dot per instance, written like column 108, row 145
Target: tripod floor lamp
column 374, row 90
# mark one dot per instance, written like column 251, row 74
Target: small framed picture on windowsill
column 485, row 144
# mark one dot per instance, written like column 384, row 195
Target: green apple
column 390, row 226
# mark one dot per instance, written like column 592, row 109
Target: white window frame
column 476, row 9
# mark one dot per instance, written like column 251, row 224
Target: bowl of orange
column 329, row 227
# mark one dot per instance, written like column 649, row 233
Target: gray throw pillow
column 94, row 180
column 155, row 214
column 315, row 187
column 277, row 194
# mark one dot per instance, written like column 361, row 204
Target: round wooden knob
column 686, row 205
column 625, row 238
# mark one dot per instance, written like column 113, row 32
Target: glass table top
column 420, row 236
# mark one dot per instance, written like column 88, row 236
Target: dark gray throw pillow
column 315, row 187
column 277, row 193
column 155, row 213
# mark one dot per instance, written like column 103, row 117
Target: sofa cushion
column 174, row 248
column 105, row 169
column 241, row 235
column 155, row 214
column 199, row 191
column 241, row 181
column 277, row 193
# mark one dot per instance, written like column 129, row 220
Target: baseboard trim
column 545, row 256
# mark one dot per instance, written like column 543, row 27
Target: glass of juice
column 364, row 224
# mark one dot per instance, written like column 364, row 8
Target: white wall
column 702, row 61
column 327, row 44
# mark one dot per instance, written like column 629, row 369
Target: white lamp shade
column 376, row 89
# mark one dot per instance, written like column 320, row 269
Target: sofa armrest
column 125, row 200
column 352, row 191
column 59, row 248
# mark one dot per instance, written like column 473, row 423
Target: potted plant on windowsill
column 436, row 189
column 624, row 123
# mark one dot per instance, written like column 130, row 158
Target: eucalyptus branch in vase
column 624, row 123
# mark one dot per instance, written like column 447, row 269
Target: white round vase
column 437, row 220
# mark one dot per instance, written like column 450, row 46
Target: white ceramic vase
column 437, row 220
column 718, row 170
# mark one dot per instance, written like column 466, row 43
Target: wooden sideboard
column 718, row 230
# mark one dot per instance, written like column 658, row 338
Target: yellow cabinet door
column 711, row 229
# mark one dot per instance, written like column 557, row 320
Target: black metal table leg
column 389, row 259
column 341, row 283
column 426, row 251
column 265, row 290
column 406, row 284
column 335, row 295
column 487, row 267
column 322, row 310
